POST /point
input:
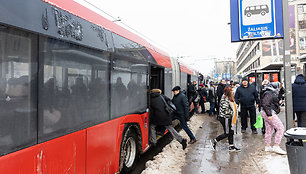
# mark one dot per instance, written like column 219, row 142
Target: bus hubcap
column 130, row 152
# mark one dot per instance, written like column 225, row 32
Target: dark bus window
column 74, row 92
column 18, row 90
column 127, row 48
column 184, row 81
column 129, row 78
column 129, row 88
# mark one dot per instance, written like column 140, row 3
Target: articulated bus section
column 74, row 89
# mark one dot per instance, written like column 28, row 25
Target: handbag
column 169, row 107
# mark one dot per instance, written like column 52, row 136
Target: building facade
column 225, row 69
column 264, row 59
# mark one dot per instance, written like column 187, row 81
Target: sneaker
column 213, row 144
column 254, row 132
column 268, row 149
column 184, row 143
column 233, row 148
column 192, row 141
column 243, row 131
column 278, row 150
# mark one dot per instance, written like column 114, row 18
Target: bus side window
column 18, row 92
column 76, row 74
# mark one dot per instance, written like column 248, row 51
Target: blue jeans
column 186, row 128
column 212, row 107
column 184, row 125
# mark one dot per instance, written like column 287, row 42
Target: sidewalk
column 251, row 160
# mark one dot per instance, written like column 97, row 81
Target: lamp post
column 287, row 67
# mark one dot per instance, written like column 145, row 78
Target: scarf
column 235, row 114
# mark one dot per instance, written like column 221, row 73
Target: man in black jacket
column 203, row 96
column 246, row 95
column 192, row 93
column 182, row 111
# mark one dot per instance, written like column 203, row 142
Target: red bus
column 74, row 89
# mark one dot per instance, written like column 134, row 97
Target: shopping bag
column 207, row 106
column 259, row 121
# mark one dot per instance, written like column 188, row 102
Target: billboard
column 275, row 47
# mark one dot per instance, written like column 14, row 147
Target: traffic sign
column 256, row 19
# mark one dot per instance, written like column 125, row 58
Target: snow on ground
column 172, row 158
column 268, row 163
column 276, row 164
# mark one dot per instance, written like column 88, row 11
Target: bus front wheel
column 129, row 151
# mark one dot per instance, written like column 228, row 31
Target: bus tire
column 129, row 152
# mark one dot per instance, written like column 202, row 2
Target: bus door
column 156, row 82
column 157, row 78
column 189, row 78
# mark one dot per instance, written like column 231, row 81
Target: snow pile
column 172, row 158
column 276, row 164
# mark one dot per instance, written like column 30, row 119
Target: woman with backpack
column 227, row 117
column 270, row 109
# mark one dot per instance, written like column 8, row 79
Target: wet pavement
column 202, row 159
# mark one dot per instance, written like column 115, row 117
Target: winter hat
column 244, row 79
column 274, row 86
column 201, row 85
column 176, row 88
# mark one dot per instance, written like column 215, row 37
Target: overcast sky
column 194, row 29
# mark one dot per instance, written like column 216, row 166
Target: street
column 200, row 158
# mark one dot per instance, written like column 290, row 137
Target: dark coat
column 299, row 94
column 220, row 91
column 159, row 116
column 202, row 92
column 191, row 92
column 270, row 102
column 182, row 106
column 211, row 95
column 246, row 96
column 281, row 93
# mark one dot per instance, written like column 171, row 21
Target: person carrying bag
column 169, row 106
column 160, row 116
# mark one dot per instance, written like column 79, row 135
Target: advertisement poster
column 274, row 77
column 251, row 79
column 267, row 77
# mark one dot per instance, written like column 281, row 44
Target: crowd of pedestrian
column 228, row 102
column 245, row 102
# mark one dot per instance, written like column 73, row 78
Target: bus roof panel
column 162, row 58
